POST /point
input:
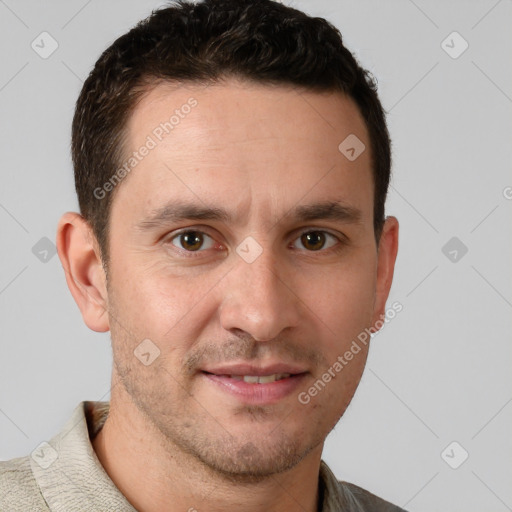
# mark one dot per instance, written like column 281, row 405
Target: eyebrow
column 179, row 211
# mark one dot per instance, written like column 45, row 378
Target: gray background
column 439, row 371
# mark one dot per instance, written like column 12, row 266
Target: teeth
column 263, row 379
column 267, row 378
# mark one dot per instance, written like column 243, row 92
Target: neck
column 155, row 475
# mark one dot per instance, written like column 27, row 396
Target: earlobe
column 387, row 251
column 80, row 257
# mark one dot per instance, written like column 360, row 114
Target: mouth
column 255, row 385
column 259, row 379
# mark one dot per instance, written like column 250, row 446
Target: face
column 242, row 247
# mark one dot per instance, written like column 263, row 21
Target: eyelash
column 341, row 241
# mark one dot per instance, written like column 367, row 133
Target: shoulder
column 367, row 501
column 18, row 488
column 341, row 495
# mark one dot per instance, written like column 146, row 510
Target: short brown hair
column 263, row 41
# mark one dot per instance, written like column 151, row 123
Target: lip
column 256, row 394
column 249, row 369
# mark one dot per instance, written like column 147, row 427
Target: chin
column 251, row 461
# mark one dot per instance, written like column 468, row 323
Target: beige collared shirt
column 64, row 475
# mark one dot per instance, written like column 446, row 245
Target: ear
column 387, row 251
column 80, row 257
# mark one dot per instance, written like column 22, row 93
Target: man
column 231, row 163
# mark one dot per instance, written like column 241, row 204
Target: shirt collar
column 67, row 470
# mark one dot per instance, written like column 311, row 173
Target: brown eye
column 316, row 240
column 313, row 241
column 191, row 241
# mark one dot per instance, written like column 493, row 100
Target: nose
column 259, row 299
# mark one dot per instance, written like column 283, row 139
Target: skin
column 174, row 440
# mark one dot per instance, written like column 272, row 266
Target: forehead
column 234, row 111
column 258, row 144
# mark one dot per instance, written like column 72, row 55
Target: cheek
column 160, row 305
column 343, row 310
column 343, row 298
